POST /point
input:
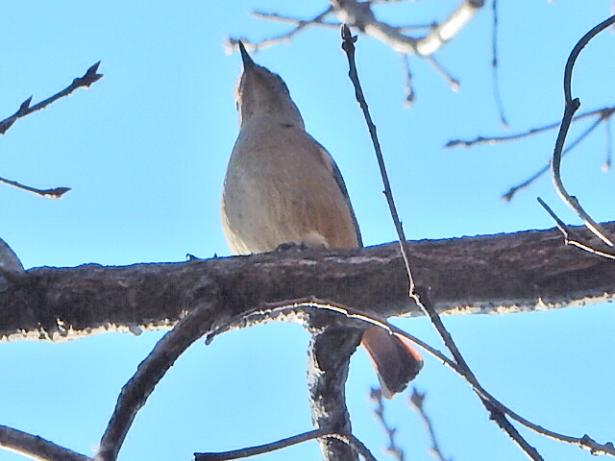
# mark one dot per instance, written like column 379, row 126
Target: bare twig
column 604, row 113
column 378, row 2
column 571, row 106
column 606, row 166
column 299, row 25
column 90, row 76
column 392, row 449
column 409, row 94
column 420, row 298
column 494, row 65
column 271, row 311
column 453, row 83
column 56, row 192
column 359, row 14
column 36, row 447
column 508, row 196
column 149, row 372
column 348, row 439
column 563, row 228
column 317, row 20
column 416, row 401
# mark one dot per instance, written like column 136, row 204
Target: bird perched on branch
column 282, row 186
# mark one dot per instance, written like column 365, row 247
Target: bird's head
column 262, row 92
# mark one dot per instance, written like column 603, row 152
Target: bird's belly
column 270, row 211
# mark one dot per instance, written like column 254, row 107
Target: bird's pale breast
column 280, row 187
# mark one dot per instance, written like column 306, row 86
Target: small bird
column 283, row 187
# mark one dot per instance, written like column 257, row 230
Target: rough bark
column 501, row 273
column 329, row 358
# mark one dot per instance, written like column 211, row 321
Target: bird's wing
column 339, row 179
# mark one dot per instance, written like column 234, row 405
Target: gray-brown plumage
column 282, row 186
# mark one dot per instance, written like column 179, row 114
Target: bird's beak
column 245, row 57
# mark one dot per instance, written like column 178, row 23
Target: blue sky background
column 145, row 150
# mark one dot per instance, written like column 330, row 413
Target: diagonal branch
column 416, row 293
column 567, row 234
column 359, row 14
column 394, row 450
column 416, row 401
column 276, row 310
column 36, row 447
column 299, row 25
column 90, row 76
column 508, row 196
column 571, row 106
column 135, row 392
column 604, row 113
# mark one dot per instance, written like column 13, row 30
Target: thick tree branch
column 502, row 273
column 359, row 14
column 329, row 355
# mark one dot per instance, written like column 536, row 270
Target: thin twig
column 416, row 401
column 149, row 372
column 392, row 449
column 409, row 94
column 232, row 43
column 571, row 106
column 348, row 439
column 377, row 2
column 91, row 75
column 416, row 27
column 275, row 17
column 606, row 166
column 494, row 65
column 269, row 312
column 603, row 112
column 453, row 83
column 508, row 196
column 55, row 193
column 360, row 14
column 36, row 447
column 563, row 228
column 420, row 298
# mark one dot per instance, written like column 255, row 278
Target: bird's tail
column 396, row 362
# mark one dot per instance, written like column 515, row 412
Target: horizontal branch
column 500, row 273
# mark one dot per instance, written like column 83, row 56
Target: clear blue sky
column 145, row 150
